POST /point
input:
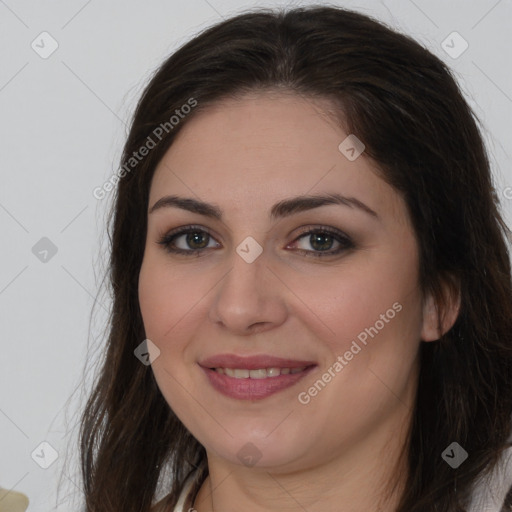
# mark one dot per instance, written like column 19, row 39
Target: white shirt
column 180, row 506
column 490, row 495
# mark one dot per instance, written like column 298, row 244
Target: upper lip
column 252, row 362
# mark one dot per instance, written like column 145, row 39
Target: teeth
column 271, row 372
column 261, row 373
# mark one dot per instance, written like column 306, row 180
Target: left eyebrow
column 281, row 209
column 303, row 203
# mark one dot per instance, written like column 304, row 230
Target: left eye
column 322, row 241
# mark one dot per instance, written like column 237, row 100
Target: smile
column 261, row 373
column 255, row 384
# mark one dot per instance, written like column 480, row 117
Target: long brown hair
column 406, row 107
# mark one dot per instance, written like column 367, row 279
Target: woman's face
column 343, row 301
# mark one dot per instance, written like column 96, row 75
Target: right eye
column 193, row 240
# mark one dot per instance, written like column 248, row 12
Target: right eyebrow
column 189, row 204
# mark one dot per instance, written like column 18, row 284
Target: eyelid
column 184, row 229
column 323, row 229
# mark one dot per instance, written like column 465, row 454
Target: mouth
column 260, row 373
column 253, row 377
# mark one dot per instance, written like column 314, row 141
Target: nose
column 250, row 298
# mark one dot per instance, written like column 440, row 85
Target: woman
column 306, row 246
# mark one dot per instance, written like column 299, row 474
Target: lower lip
column 253, row 389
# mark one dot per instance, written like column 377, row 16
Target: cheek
column 343, row 302
column 165, row 297
column 153, row 300
column 370, row 314
column 378, row 319
column 166, row 301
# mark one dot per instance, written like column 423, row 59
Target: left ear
column 438, row 318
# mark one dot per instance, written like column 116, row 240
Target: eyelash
column 341, row 238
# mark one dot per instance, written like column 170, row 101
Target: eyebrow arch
column 281, row 209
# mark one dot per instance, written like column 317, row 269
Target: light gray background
column 62, row 125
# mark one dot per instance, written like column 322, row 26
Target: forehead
column 263, row 147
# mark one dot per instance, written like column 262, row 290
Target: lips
column 243, row 380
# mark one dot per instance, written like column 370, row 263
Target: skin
column 339, row 451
